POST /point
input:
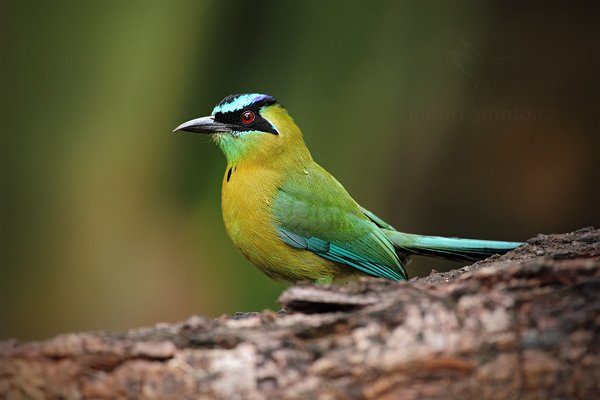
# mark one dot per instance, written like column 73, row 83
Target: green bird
column 295, row 221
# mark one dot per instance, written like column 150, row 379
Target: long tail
column 448, row 248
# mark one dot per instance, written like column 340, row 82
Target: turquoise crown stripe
column 239, row 102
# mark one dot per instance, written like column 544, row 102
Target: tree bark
column 523, row 325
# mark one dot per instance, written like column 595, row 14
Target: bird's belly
column 247, row 198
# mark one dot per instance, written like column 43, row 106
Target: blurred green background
column 472, row 119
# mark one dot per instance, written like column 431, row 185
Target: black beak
column 204, row 125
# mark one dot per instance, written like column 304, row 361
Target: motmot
column 294, row 220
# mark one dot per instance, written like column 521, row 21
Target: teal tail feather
column 448, row 248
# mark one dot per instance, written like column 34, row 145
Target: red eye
column 247, row 117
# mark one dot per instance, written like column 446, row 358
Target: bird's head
column 250, row 127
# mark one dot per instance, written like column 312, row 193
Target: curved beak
column 203, row 125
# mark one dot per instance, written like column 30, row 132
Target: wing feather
column 334, row 227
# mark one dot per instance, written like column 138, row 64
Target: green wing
column 314, row 212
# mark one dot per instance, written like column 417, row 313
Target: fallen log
column 523, row 325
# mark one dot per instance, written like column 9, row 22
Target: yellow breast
column 248, row 193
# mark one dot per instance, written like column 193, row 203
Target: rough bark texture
column 523, row 325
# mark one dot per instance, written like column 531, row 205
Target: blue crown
column 236, row 102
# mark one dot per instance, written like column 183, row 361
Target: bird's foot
column 326, row 280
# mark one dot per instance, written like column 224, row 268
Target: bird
column 292, row 219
